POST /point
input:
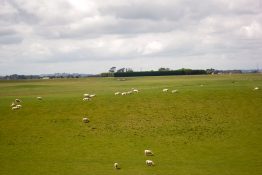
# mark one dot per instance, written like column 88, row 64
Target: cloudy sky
column 90, row 36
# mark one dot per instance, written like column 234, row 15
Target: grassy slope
column 214, row 129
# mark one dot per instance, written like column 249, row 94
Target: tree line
column 128, row 72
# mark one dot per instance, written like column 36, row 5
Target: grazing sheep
column 19, row 106
column 117, row 93
column 129, row 92
column 116, row 166
column 150, row 163
column 86, row 95
column 148, row 152
column 124, row 93
column 135, row 90
column 86, row 99
column 256, row 88
column 174, row 91
column 15, row 108
column 92, row 95
column 17, row 100
column 85, row 120
column 165, row 90
column 13, row 104
column 39, row 98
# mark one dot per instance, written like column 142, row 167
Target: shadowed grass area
column 212, row 125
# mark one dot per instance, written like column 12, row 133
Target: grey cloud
column 119, row 27
column 6, row 31
column 9, row 36
column 20, row 15
column 10, row 39
column 146, row 17
column 176, row 10
column 37, row 13
column 84, row 55
column 62, row 32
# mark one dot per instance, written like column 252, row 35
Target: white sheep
column 85, row 120
column 18, row 100
column 150, row 163
column 256, row 88
column 19, row 106
column 86, row 95
column 13, row 104
column 165, row 90
column 92, row 95
column 148, row 152
column 129, row 92
column 86, row 99
column 15, row 108
column 174, row 91
column 117, row 93
column 39, row 98
column 124, row 93
column 135, row 90
column 116, row 166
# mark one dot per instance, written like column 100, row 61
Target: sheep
column 124, row 93
column 17, row 100
column 39, row 98
column 86, row 95
column 86, row 99
column 174, row 91
column 135, row 90
column 117, row 93
column 129, row 92
column 165, row 90
column 148, row 152
column 116, row 166
column 150, row 163
column 15, row 108
column 19, row 106
column 85, row 120
column 13, row 104
column 92, row 95
column 256, row 88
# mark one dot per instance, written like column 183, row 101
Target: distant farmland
column 212, row 125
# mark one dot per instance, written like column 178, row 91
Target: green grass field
column 215, row 129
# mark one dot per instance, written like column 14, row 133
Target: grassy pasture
column 201, row 130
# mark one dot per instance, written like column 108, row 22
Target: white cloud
column 91, row 36
column 253, row 30
column 152, row 47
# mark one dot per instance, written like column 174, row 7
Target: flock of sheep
column 173, row 91
column 137, row 91
column 133, row 90
column 17, row 103
column 148, row 162
column 87, row 97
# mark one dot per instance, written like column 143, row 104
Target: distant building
column 46, row 78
